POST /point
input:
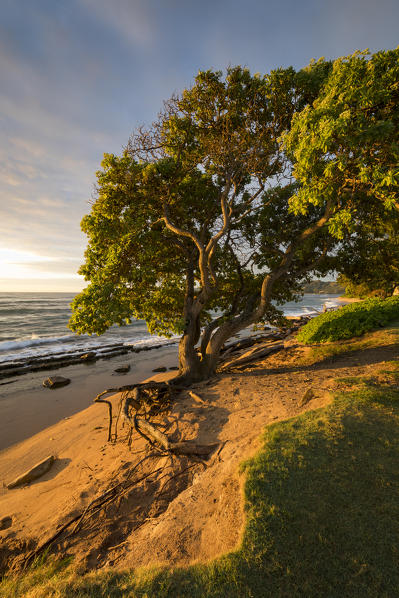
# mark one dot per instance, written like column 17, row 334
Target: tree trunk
column 190, row 363
column 192, row 367
column 195, row 365
column 198, row 365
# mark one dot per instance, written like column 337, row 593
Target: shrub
column 350, row 320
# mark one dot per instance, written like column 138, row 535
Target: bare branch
column 180, row 231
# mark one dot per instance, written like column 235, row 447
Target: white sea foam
column 33, row 342
column 72, row 346
column 148, row 342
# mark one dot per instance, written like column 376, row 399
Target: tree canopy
column 369, row 259
column 345, row 146
column 242, row 189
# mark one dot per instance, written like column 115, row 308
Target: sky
column 78, row 76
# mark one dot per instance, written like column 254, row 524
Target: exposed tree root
column 98, row 505
column 138, row 404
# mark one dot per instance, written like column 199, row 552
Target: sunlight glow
column 15, row 264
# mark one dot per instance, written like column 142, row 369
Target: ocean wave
column 34, row 342
column 144, row 342
column 71, row 346
column 42, row 334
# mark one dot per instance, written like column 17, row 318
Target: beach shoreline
column 29, row 408
column 229, row 412
column 344, row 299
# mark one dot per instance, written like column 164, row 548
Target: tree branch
column 179, row 231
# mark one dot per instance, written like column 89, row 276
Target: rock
column 308, row 396
column 56, row 381
column 90, row 356
column 5, row 523
column 173, row 367
column 122, row 369
column 160, row 369
column 32, row 474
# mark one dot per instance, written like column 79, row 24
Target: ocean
column 33, row 329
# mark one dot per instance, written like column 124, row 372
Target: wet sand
column 27, row 407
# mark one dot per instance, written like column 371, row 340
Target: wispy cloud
column 133, row 19
column 77, row 77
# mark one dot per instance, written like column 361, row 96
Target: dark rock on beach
column 54, row 361
column 90, row 356
column 56, row 381
column 123, row 369
column 160, row 369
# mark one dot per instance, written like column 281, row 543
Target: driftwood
column 253, row 355
column 249, row 342
column 33, row 473
column 296, row 322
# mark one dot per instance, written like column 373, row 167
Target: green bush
column 350, row 320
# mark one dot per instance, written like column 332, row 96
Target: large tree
column 199, row 225
column 345, row 149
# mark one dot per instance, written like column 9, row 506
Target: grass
column 322, row 510
column 350, row 320
column 387, row 336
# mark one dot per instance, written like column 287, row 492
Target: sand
column 27, row 407
column 188, row 511
column 344, row 299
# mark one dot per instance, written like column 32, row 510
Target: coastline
column 344, row 299
column 30, row 408
column 27, row 407
column 194, row 520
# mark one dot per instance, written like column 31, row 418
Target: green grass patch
column 350, row 380
column 371, row 340
column 350, row 320
column 322, row 514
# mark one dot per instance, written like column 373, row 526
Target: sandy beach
column 344, row 299
column 27, row 407
column 197, row 516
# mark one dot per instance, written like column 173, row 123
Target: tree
column 345, row 149
column 369, row 259
column 198, row 227
column 345, row 145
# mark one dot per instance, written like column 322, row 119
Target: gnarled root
column 140, row 402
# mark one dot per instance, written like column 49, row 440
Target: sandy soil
column 184, row 510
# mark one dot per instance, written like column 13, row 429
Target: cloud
column 40, row 285
column 133, row 19
column 28, row 147
column 78, row 76
column 26, row 271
